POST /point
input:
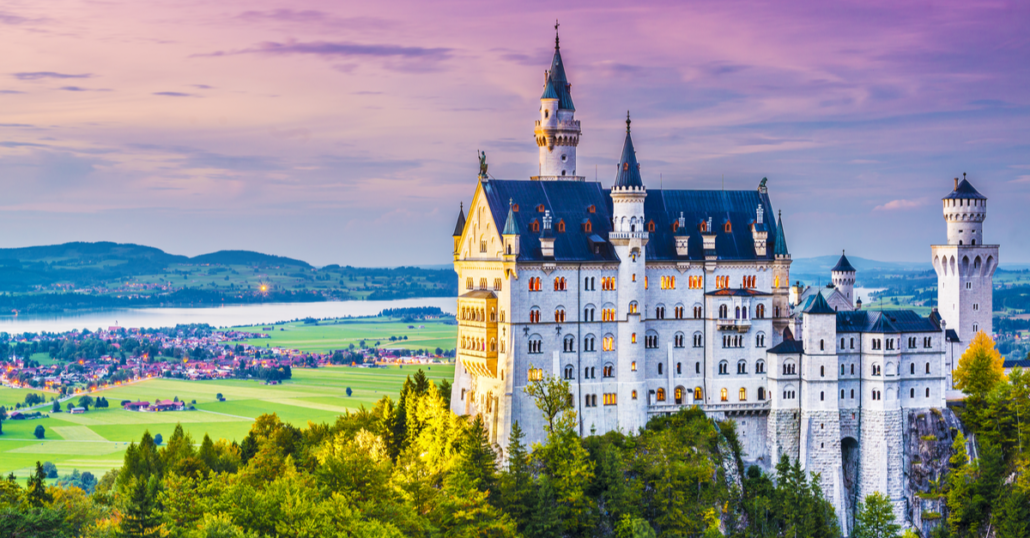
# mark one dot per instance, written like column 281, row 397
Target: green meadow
column 95, row 441
column 340, row 334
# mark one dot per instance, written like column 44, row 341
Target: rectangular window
column 609, row 398
column 482, row 246
column 497, row 284
column 482, row 283
column 535, row 374
column 468, row 283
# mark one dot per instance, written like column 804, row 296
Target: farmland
column 340, row 334
column 96, row 441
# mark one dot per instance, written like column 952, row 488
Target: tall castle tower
column 843, row 275
column 965, row 267
column 629, row 237
column 557, row 131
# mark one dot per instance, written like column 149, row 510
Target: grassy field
column 340, row 334
column 9, row 396
column 96, row 441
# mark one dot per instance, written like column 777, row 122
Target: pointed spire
column 843, row 265
column 819, row 305
column 459, row 228
column 510, row 226
column 629, row 170
column 781, row 240
column 556, row 76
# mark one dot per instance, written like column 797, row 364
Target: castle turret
column 557, row 131
column 510, row 234
column 629, row 237
column 459, row 228
column 843, row 275
column 781, row 281
column 965, row 270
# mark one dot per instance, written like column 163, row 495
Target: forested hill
column 106, row 275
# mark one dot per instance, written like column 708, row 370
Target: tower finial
column 556, row 25
column 627, row 121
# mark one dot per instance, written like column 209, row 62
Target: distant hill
column 79, row 251
column 821, row 265
column 245, row 257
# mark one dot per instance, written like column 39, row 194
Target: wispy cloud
column 341, row 49
column 1021, row 179
column 10, row 92
column 37, row 75
column 174, row 94
column 895, row 205
column 81, row 89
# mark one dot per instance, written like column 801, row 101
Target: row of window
column 469, row 282
column 608, row 314
column 651, row 341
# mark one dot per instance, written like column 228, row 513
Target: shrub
column 931, row 515
column 50, row 469
column 39, row 432
column 928, row 437
column 349, row 392
column 158, row 439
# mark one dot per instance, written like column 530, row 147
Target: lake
column 222, row 316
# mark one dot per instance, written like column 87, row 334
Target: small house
column 168, row 405
column 137, row 406
column 78, row 410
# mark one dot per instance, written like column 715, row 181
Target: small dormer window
column 534, row 226
column 727, row 227
column 561, row 226
column 564, row 158
column 588, row 226
column 591, row 209
column 515, row 208
column 540, row 208
column 675, row 225
column 547, row 113
column 625, row 167
column 703, row 227
column 650, row 226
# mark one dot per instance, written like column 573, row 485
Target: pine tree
column 979, row 371
column 140, row 516
column 477, row 459
column 37, row 495
column 875, row 518
column 1013, row 514
column 517, row 495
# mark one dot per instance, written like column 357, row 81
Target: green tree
column 86, row 401
column 3, row 417
column 39, row 432
column 517, row 495
column 1014, row 513
column 140, row 515
column 979, row 371
column 875, row 518
column 554, row 400
column 56, row 407
column 477, row 459
column 37, row 494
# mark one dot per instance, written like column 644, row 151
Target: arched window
column 724, row 367
column 634, row 395
column 760, row 311
column 570, row 372
column 535, row 344
column 742, row 367
column 760, row 368
column 822, row 371
column 760, row 340
column 660, row 395
column 722, row 311
column 678, row 393
column 608, row 370
column 724, row 395
column 559, row 315
column 761, row 393
column 699, row 340
column 569, row 344
column 632, row 307
column 822, row 345
column 678, row 340
column 659, row 368
column 742, row 395
column 698, row 394
column 534, row 315
column 738, row 312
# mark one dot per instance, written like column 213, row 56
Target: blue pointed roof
column 511, row 227
column 843, row 265
column 965, row 191
column 549, row 92
column 459, row 227
column 557, row 77
column 629, row 169
column 780, row 248
column 819, row 306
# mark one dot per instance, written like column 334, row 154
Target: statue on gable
column 482, row 165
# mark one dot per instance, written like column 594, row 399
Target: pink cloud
column 894, row 205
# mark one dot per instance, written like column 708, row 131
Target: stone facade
column 646, row 305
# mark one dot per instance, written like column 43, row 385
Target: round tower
column 557, row 131
column 629, row 238
column 965, row 210
column 843, row 276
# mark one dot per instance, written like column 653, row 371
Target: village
column 81, row 362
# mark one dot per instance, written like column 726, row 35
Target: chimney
column 956, row 183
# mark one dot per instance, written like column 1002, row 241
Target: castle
column 649, row 301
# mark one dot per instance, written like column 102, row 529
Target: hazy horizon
column 346, row 133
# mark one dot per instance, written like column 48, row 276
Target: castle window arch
column 608, row 342
column 677, row 339
column 723, row 311
column 741, row 366
column 760, row 367
column 559, row 314
column 569, row 373
column 760, row 340
column 760, row 311
column 678, row 395
column 724, row 367
column 569, row 343
column 822, row 345
column 724, row 394
column 633, row 307
column 660, row 395
column 698, row 394
column 534, row 314
column 651, row 340
column 589, row 342
column 608, row 370
column 789, row 368
column 659, row 368
column 699, row 339
column 588, row 312
column 742, row 394
column 535, row 344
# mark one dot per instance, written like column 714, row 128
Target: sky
column 347, row 132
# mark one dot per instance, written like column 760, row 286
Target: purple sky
column 346, row 132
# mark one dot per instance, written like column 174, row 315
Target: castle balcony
column 728, row 324
column 477, row 332
column 625, row 236
column 558, row 178
column 560, row 125
column 478, row 364
column 730, row 409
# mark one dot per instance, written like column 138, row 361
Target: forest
column 411, row 467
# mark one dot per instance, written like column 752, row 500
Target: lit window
column 743, row 394
column 633, row 366
column 724, row 395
